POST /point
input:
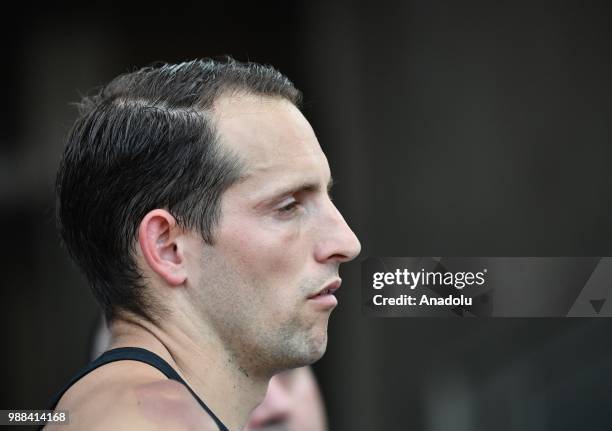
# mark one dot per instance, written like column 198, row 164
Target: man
column 195, row 199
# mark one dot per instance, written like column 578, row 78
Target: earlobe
column 157, row 237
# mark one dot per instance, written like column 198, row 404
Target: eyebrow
column 304, row 187
column 301, row 187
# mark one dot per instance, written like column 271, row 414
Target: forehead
column 272, row 138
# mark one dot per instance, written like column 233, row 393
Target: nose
column 337, row 242
column 275, row 409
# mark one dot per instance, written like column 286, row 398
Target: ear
column 158, row 236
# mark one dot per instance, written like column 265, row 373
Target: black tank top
column 140, row 355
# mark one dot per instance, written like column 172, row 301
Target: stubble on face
column 256, row 279
column 256, row 343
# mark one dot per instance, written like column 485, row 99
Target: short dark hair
column 145, row 141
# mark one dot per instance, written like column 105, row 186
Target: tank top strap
column 140, row 355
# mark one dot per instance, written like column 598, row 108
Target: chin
column 307, row 353
column 298, row 346
column 317, row 350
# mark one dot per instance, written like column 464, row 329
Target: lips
column 328, row 289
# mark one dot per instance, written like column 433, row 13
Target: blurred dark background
column 470, row 128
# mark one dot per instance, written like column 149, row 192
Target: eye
column 289, row 208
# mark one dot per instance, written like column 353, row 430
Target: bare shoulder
column 131, row 397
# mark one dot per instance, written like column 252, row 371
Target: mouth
column 328, row 290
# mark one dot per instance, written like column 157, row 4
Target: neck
column 201, row 360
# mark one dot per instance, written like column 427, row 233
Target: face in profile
column 292, row 403
column 263, row 284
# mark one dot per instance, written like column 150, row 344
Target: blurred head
column 292, row 403
column 216, row 214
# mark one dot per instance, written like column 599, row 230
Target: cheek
column 266, row 253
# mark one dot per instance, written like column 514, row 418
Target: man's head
column 292, row 403
column 200, row 190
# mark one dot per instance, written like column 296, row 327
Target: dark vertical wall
column 452, row 128
column 467, row 129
